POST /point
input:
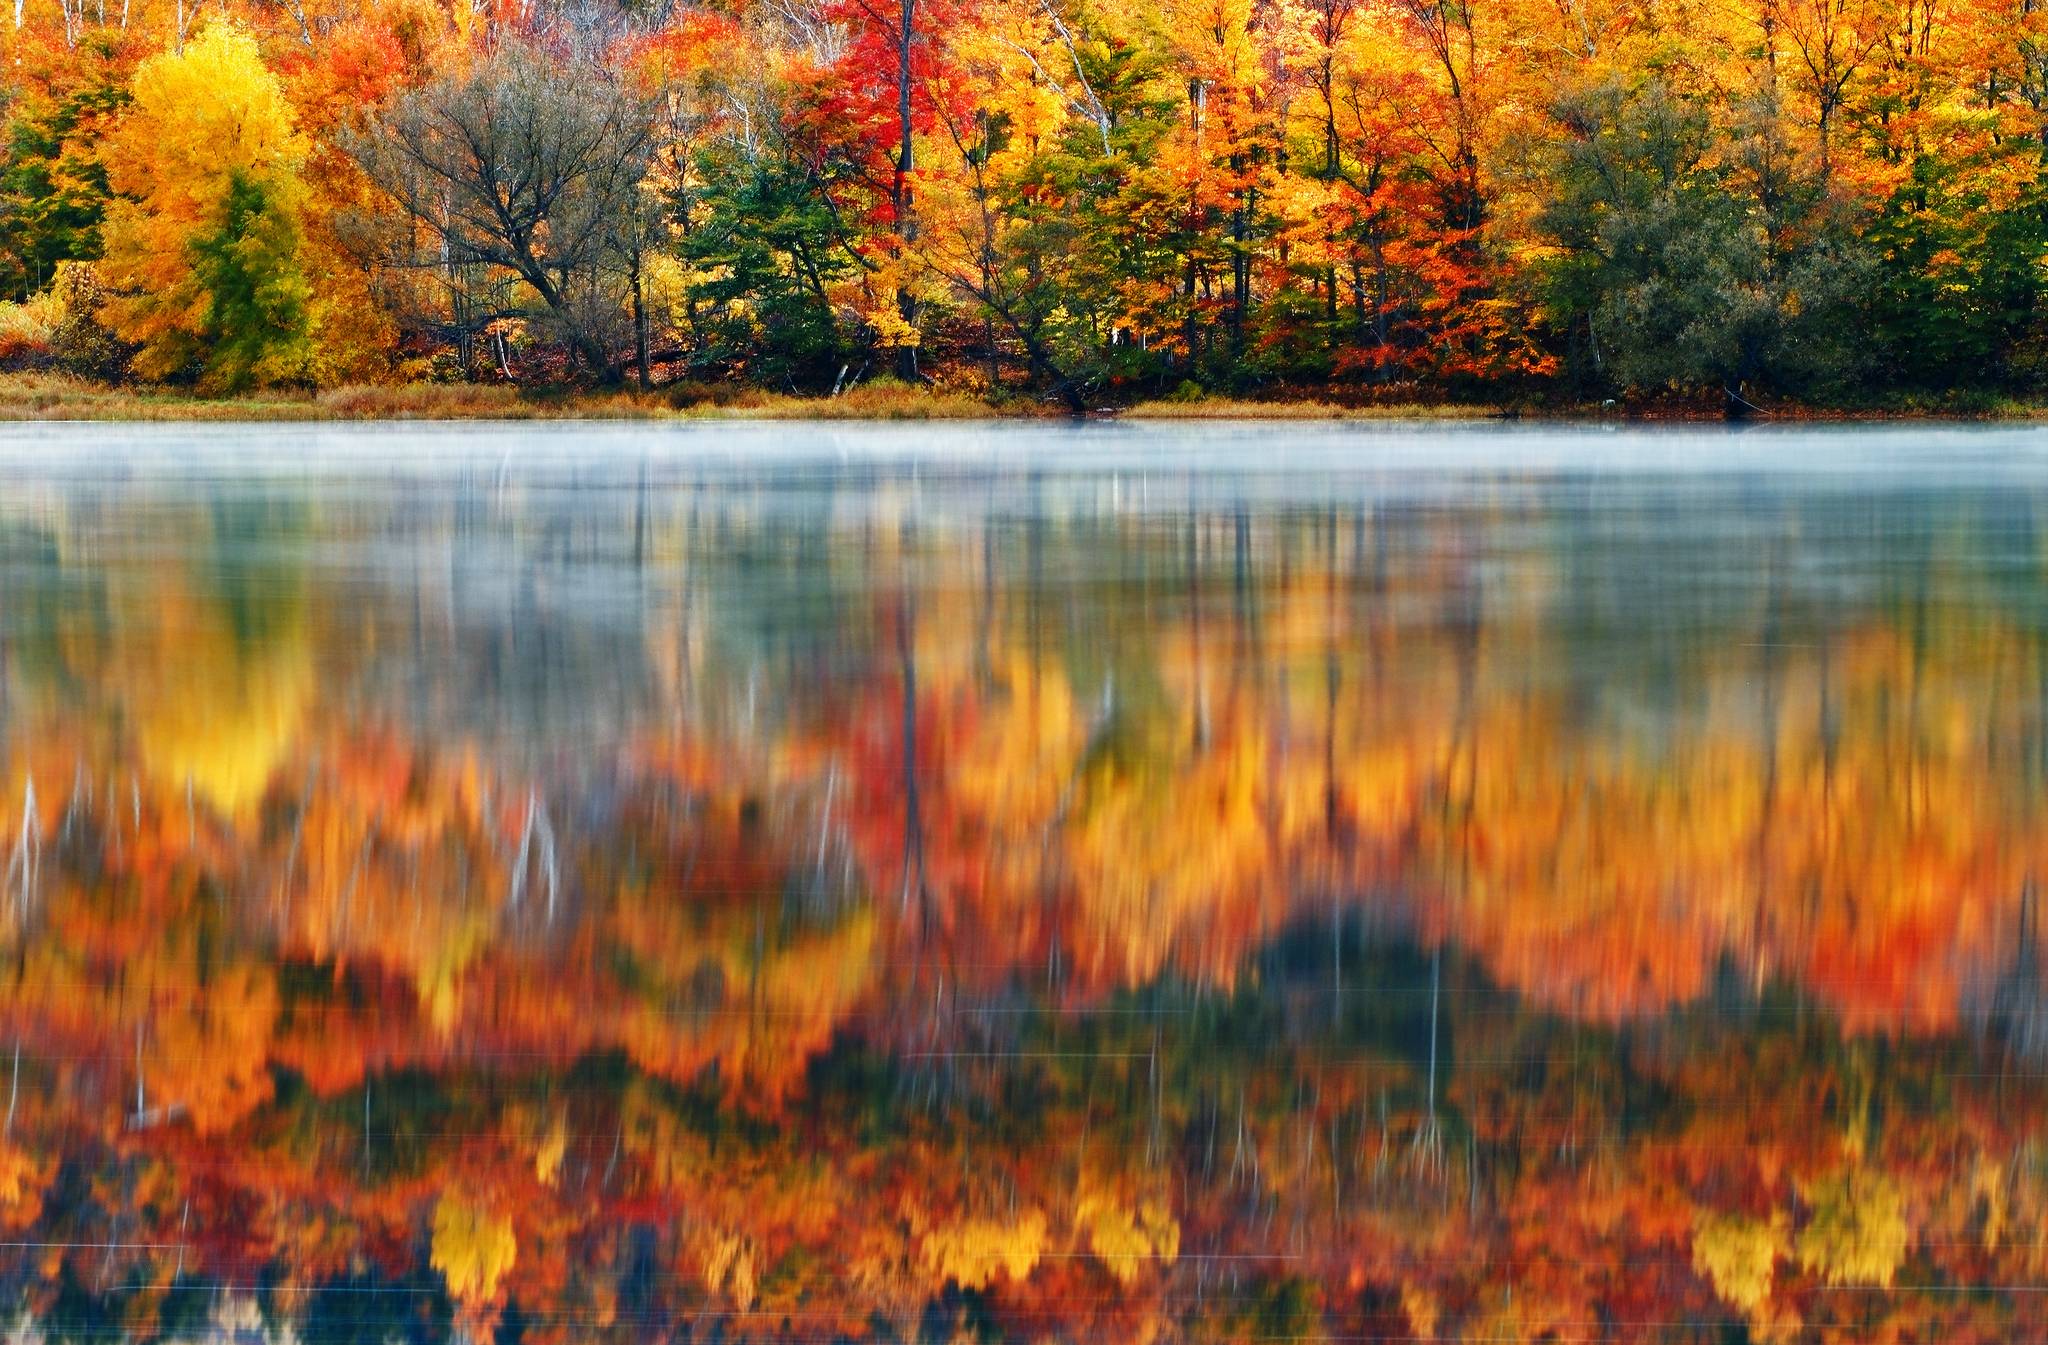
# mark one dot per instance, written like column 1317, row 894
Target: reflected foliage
column 725, row 902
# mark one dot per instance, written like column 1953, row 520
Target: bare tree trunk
column 640, row 322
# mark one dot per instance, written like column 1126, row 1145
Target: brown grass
column 50, row 396
column 485, row 401
column 1233, row 408
column 46, row 396
column 53, row 396
column 421, row 401
column 885, row 400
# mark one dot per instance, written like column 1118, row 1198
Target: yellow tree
column 202, row 239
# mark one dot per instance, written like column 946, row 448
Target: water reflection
column 1093, row 885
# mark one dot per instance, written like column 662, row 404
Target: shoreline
column 31, row 398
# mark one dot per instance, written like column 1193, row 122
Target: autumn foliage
column 1063, row 200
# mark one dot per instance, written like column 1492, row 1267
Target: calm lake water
column 1015, row 883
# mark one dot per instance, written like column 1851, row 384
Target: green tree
column 765, row 244
column 53, row 188
column 256, row 315
column 1695, row 256
column 1963, row 274
column 1054, row 237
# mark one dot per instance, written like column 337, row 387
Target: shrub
column 27, row 330
column 79, row 344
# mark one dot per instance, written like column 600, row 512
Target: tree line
column 1565, row 200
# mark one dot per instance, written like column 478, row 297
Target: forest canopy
column 1741, row 201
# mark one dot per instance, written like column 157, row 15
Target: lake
column 1122, row 882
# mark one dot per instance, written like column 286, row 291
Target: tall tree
column 202, row 238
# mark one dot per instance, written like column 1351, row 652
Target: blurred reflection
column 668, row 896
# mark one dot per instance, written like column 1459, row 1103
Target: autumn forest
column 1732, row 204
column 691, row 898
